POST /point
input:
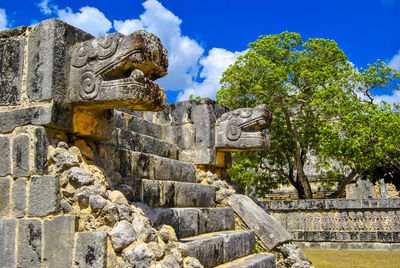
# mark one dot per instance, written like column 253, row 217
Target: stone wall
column 341, row 223
column 190, row 125
column 31, row 215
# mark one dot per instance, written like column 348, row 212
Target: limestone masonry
column 97, row 171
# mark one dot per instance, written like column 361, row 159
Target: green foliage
column 314, row 94
column 192, row 97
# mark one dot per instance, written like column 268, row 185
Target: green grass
column 352, row 259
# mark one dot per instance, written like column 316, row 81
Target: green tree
column 314, row 94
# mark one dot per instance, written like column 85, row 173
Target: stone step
column 147, row 166
column 132, row 121
column 158, row 193
column 262, row 260
column 191, row 221
column 213, row 249
column 134, row 141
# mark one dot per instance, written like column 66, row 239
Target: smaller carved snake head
column 242, row 129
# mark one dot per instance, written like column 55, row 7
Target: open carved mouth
column 255, row 125
column 132, row 67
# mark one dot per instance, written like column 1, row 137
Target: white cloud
column 214, row 65
column 183, row 53
column 395, row 62
column 395, row 98
column 44, row 7
column 3, row 19
column 89, row 19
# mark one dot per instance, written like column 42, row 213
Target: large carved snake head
column 242, row 129
column 117, row 71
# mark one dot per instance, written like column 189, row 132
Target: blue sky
column 204, row 37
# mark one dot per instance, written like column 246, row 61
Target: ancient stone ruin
column 97, row 171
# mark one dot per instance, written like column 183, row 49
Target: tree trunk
column 300, row 190
column 342, row 186
column 302, row 178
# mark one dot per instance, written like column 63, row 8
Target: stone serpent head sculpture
column 117, row 71
column 242, row 129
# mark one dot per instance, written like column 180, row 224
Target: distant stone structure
column 371, row 224
column 87, row 180
column 360, row 190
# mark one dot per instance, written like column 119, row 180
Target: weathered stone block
column 255, row 261
column 368, row 236
column 11, row 67
column 168, row 194
column 151, row 192
column 265, row 226
column 199, row 156
column 137, row 165
column 145, row 127
column 7, row 243
column 216, row 219
column 185, row 136
column 5, row 155
column 41, row 144
column 374, row 203
column 396, row 237
column 385, row 236
column 365, row 203
column 237, row 244
column 315, row 204
column 194, row 195
column 142, row 143
column 37, row 115
column 208, row 250
column 395, row 203
column 91, row 249
column 5, row 200
column 19, row 198
column 29, row 252
column 188, row 220
column 359, row 190
column 21, row 165
column 165, row 216
column 384, row 203
column 204, row 122
column 59, row 241
column 170, row 169
column 49, row 44
column 44, row 195
column 311, row 236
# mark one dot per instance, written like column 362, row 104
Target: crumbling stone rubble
column 86, row 193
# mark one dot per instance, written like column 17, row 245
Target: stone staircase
column 170, row 194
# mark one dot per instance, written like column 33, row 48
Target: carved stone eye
column 80, row 55
column 107, row 46
column 88, row 86
column 246, row 113
column 233, row 133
